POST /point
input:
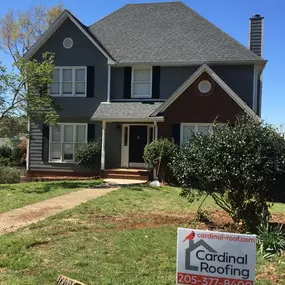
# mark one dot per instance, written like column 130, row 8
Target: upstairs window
column 141, row 82
column 64, row 141
column 69, row 81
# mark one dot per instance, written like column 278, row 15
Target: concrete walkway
column 15, row 219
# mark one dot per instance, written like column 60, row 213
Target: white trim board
column 54, row 26
column 217, row 79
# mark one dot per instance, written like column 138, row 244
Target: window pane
column 68, row 133
column 56, row 75
column 56, row 134
column 203, row 129
column 55, row 151
column 67, row 74
column 80, row 75
column 142, row 89
column 188, row 132
column 67, row 88
column 68, row 151
column 54, row 88
column 80, row 133
column 80, row 88
column 142, row 75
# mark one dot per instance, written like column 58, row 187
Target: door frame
column 125, row 144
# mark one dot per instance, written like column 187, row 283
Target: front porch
column 123, row 147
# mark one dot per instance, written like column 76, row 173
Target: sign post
column 215, row 258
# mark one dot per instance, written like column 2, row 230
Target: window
column 141, row 82
column 69, row 81
column 188, row 130
column 64, row 140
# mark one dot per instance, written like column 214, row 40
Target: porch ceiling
column 126, row 111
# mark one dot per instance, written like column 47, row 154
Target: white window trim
column 133, row 77
column 60, row 68
column 62, row 142
column 196, row 125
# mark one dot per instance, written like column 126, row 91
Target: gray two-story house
column 145, row 71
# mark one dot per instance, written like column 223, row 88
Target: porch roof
column 126, row 111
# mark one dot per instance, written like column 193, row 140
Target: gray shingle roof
column 166, row 32
column 125, row 110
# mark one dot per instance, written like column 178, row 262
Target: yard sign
column 215, row 258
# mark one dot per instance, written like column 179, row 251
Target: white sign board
column 215, row 258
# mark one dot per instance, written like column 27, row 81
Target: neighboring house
column 145, row 71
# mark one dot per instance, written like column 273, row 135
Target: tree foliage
column 24, row 89
column 26, row 92
column 19, row 30
column 241, row 166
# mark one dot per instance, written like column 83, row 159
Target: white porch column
column 155, row 131
column 103, row 145
column 155, row 138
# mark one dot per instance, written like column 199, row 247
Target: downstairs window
column 64, row 139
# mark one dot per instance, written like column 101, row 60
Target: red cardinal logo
column 190, row 236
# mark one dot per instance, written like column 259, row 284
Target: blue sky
column 231, row 16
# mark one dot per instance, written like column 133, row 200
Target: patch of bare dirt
column 269, row 273
column 219, row 221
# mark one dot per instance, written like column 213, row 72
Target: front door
column 138, row 141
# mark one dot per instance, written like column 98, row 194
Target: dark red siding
column 192, row 107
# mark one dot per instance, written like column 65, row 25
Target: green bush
column 88, row 155
column 241, row 166
column 158, row 154
column 5, row 155
column 271, row 240
column 9, row 175
column 5, row 151
column 16, row 156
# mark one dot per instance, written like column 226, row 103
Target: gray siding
column 238, row 77
column 76, row 110
column 113, row 145
column 172, row 77
column 83, row 53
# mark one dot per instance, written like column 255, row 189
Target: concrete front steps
column 127, row 173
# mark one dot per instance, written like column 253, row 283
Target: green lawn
column 125, row 237
column 14, row 196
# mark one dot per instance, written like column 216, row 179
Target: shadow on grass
column 50, row 186
column 140, row 187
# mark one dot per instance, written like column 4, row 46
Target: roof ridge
column 159, row 2
column 214, row 25
column 133, row 4
column 107, row 16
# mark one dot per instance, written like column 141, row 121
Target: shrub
column 241, row 166
column 88, row 155
column 5, row 155
column 158, row 154
column 5, row 151
column 9, row 175
column 271, row 240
